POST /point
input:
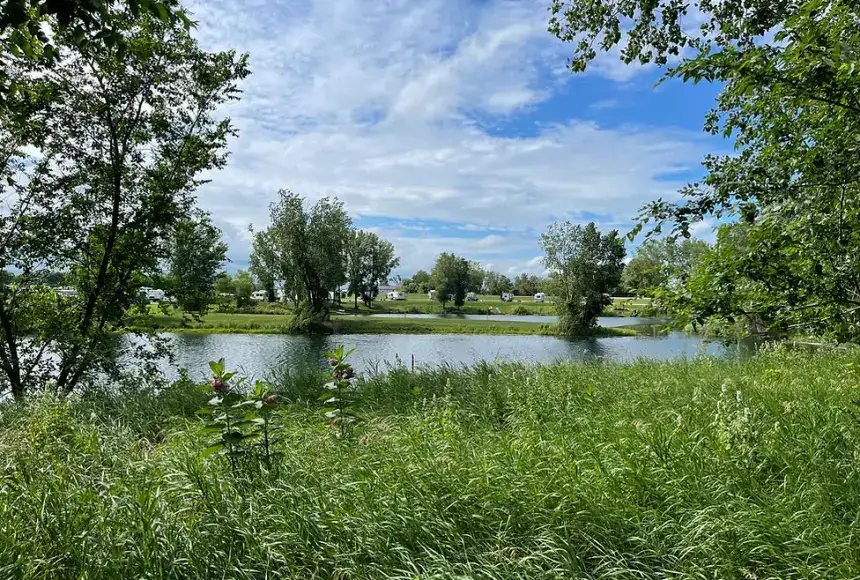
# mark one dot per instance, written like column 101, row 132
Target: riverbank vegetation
column 285, row 323
column 688, row 469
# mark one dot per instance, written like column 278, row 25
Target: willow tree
column 370, row 260
column 585, row 267
column 304, row 249
column 103, row 152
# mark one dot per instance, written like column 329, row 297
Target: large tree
column 451, row 277
column 243, row 286
column 498, row 284
column 25, row 26
column 370, row 260
column 304, row 249
column 477, row 274
column 790, row 101
column 197, row 257
column 585, row 266
column 106, row 148
column 660, row 263
column 527, row 285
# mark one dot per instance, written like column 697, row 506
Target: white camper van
column 471, row 297
column 540, row 297
column 259, row 295
column 396, row 295
column 507, row 297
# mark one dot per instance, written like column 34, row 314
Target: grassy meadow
column 217, row 322
column 275, row 318
column 703, row 469
column 521, row 305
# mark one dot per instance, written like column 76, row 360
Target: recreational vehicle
column 540, row 297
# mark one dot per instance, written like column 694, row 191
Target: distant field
column 525, row 305
column 218, row 322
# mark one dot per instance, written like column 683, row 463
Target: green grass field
column 705, row 469
column 525, row 305
column 217, row 322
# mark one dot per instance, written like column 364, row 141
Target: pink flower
column 347, row 373
column 219, row 385
column 271, row 400
column 332, row 362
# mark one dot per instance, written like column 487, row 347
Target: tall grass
column 706, row 469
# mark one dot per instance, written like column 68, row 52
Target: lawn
column 217, row 322
column 703, row 469
column 522, row 305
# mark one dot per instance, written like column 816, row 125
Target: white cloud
column 384, row 105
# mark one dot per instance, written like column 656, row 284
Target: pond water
column 605, row 321
column 261, row 355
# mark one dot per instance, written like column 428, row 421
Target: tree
column 304, row 249
column 370, row 261
column 476, row 277
column 498, row 284
column 22, row 33
column 224, row 284
column 662, row 262
column 421, row 280
column 791, row 105
column 121, row 138
column 243, row 285
column 197, row 256
column 527, row 285
column 451, row 277
column 585, row 265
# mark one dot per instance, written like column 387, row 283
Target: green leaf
column 212, row 449
column 217, row 367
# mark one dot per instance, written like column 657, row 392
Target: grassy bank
column 522, row 305
column 676, row 470
column 217, row 322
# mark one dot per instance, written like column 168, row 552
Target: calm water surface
column 260, row 355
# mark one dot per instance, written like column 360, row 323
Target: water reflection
column 260, row 355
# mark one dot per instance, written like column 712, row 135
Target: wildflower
column 332, row 362
column 219, row 385
column 272, row 400
column 348, row 373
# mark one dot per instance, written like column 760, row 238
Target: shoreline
column 367, row 325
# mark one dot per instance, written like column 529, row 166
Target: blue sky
column 444, row 125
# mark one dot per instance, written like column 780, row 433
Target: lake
column 259, row 355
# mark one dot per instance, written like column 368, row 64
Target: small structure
column 153, row 294
column 67, row 292
column 471, row 297
column 431, row 295
column 507, row 297
column 259, row 295
column 396, row 295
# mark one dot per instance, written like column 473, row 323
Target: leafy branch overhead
column 790, row 101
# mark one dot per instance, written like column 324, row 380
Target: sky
column 443, row 125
